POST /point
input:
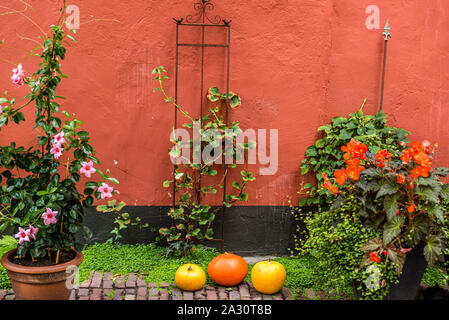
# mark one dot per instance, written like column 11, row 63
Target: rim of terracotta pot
column 6, row 262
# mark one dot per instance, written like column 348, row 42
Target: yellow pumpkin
column 190, row 277
column 268, row 277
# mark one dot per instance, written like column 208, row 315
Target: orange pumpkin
column 227, row 269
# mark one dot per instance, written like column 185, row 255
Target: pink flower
column 56, row 150
column 33, row 231
column 18, row 75
column 22, row 235
column 106, row 191
column 406, row 250
column 49, row 216
column 1, row 109
column 59, row 139
column 87, row 169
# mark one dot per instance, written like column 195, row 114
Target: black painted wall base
column 249, row 231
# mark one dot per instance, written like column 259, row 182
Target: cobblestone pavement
column 104, row 287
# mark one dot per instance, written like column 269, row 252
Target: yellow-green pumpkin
column 268, row 277
column 190, row 277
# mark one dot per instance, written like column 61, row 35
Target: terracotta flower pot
column 40, row 283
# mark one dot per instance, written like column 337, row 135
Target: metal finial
column 387, row 29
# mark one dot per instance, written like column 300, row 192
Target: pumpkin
column 268, row 277
column 190, row 277
column 227, row 269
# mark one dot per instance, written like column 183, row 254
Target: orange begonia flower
column 354, row 169
column 355, row 149
column 406, row 156
column 411, row 208
column 401, row 178
column 328, row 185
column 341, row 176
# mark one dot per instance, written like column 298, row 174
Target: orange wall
column 295, row 63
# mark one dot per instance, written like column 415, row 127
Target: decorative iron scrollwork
column 203, row 9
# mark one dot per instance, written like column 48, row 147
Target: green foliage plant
column 192, row 217
column 326, row 154
column 401, row 197
column 40, row 185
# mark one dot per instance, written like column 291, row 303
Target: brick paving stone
column 107, row 276
column 107, row 284
column 310, row 294
column 130, row 297
column 211, row 294
column 163, row 294
column 85, row 284
column 188, row 295
column 72, row 295
column 141, row 282
column 83, row 292
column 153, row 285
column 10, row 297
column 176, row 294
column 244, row 291
column 153, row 292
column 96, row 280
column 11, row 291
column 287, row 294
column 234, row 294
column 118, row 294
column 130, row 291
column 200, row 294
column 142, row 293
column 96, row 294
column 120, row 282
column 106, row 295
column 83, row 298
column 277, row 296
column 255, row 295
column 222, row 294
column 153, row 298
column 267, row 297
column 2, row 294
column 164, row 284
column 131, row 281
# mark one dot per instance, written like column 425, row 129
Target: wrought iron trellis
column 202, row 19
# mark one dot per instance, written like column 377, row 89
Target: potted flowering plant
column 40, row 199
column 402, row 196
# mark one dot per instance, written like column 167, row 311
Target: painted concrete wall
column 296, row 64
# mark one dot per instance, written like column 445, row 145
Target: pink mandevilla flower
column 87, row 169
column 59, row 139
column 23, row 235
column 18, row 75
column 49, row 216
column 56, row 151
column 106, row 191
column 33, row 231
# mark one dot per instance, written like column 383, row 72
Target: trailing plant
column 326, row 154
column 216, row 141
column 333, row 237
column 122, row 220
column 400, row 196
column 40, row 198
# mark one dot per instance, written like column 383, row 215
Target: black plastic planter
column 410, row 279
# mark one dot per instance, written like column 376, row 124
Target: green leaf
column 386, row 189
column 433, row 251
column 391, row 206
column 372, row 245
column 392, row 229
